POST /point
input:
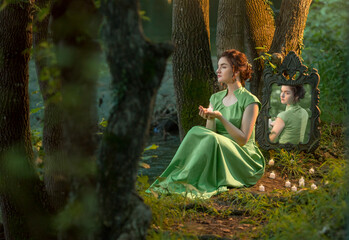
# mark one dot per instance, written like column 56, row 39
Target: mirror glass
column 294, row 115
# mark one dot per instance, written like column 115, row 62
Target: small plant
column 36, row 139
column 290, row 163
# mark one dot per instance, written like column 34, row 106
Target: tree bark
column 137, row 68
column 290, row 26
column 193, row 74
column 75, row 25
column 24, row 203
column 55, row 178
column 230, row 25
column 260, row 29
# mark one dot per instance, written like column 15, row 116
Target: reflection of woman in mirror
column 289, row 125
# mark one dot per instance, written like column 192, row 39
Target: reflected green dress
column 208, row 162
column 295, row 119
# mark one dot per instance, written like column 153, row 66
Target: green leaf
column 149, row 157
column 151, row 147
column 3, row 5
column 35, row 110
column 272, row 65
column 43, row 13
column 143, row 17
column 260, row 48
column 144, row 165
column 104, row 123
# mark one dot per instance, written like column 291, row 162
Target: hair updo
column 238, row 62
column 298, row 92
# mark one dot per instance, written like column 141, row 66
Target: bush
column 326, row 50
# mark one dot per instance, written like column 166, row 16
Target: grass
column 280, row 214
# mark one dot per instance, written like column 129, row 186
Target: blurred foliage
column 326, row 49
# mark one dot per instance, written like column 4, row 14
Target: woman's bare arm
column 278, row 126
column 242, row 135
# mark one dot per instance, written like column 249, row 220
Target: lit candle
column 261, row 188
column 294, row 188
column 311, row 170
column 287, row 183
column 301, row 182
column 272, row 175
column 271, row 162
column 313, row 186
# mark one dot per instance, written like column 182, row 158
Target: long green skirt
column 207, row 163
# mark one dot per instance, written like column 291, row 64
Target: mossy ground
column 277, row 213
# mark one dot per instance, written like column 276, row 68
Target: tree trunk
column 290, row 26
column 230, row 25
column 55, row 177
column 75, row 25
column 137, row 68
column 260, row 28
column 193, row 74
column 24, row 203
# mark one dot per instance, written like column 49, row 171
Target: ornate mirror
column 289, row 117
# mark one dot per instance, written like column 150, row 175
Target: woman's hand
column 208, row 113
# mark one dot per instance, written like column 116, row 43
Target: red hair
column 238, row 62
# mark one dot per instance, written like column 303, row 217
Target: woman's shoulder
column 218, row 95
column 246, row 93
column 246, row 96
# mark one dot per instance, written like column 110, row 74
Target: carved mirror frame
column 291, row 72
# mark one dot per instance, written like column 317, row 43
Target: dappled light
column 121, row 120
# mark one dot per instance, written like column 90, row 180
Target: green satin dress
column 208, row 162
column 295, row 119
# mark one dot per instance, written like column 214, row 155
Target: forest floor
column 276, row 213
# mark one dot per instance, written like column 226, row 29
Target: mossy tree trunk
column 193, row 73
column 230, row 25
column 24, row 203
column 75, row 26
column 137, row 67
column 260, row 29
column 290, row 26
column 55, row 178
column 284, row 36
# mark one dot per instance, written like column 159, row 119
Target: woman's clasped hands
column 208, row 113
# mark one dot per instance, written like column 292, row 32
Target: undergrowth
column 280, row 214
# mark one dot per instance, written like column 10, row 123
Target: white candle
column 287, row 183
column 301, row 182
column 313, row 186
column 261, row 188
column 311, row 170
column 271, row 162
column 294, row 188
column 272, row 175
column 209, row 109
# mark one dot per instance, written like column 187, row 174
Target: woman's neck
column 233, row 86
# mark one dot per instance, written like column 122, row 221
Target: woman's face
column 286, row 96
column 224, row 71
